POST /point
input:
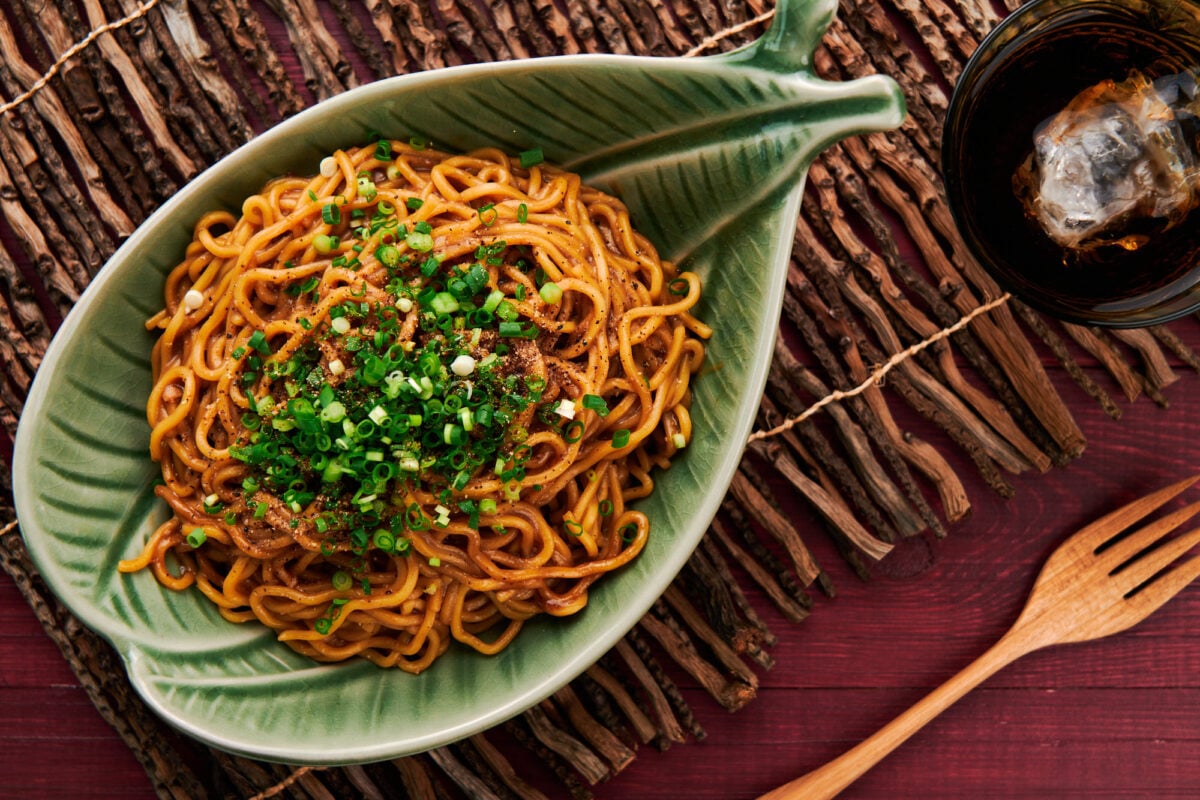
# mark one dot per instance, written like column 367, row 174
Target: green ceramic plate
column 709, row 153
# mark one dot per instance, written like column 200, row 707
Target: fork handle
column 827, row 781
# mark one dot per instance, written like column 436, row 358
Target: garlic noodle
column 409, row 400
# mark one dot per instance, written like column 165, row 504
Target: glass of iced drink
column 1072, row 158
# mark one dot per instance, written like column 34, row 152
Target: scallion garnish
column 325, row 244
column 196, row 537
column 594, row 402
column 531, row 158
column 620, row 438
column 420, row 241
column 258, row 340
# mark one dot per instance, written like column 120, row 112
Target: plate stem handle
column 788, row 44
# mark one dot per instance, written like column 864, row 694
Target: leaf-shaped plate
column 710, row 155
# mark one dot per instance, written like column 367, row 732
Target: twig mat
column 108, row 107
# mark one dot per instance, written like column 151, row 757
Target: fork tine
column 1102, row 529
column 1167, row 586
column 1124, row 549
column 1143, row 569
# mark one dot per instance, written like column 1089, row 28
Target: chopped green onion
column 421, row 242
column 605, row 508
column 620, row 438
column 493, row 300
column 323, row 625
column 341, row 581
column 340, row 325
column 627, row 532
column 435, row 562
column 574, row 528
column 366, row 189
column 196, row 538
column 487, row 505
column 258, row 340
column 679, row 287
column 413, row 203
column 488, row 215
column 324, row 243
column 430, row 266
column 331, row 214
column 594, row 402
column 531, row 158
column 444, row 303
column 522, row 213
column 417, row 143
column 384, row 540
column 260, row 510
column 383, row 150
column 453, row 434
column 388, row 255
column 679, row 441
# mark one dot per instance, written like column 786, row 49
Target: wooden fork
column 1098, row 582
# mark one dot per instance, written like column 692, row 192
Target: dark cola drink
column 1082, row 160
column 1117, row 167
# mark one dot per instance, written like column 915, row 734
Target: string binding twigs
column 294, row 776
column 877, row 375
column 74, row 50
column 733, row 30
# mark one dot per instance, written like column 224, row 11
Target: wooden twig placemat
column 107, row 107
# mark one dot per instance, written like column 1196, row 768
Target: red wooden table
column 1113, row 719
